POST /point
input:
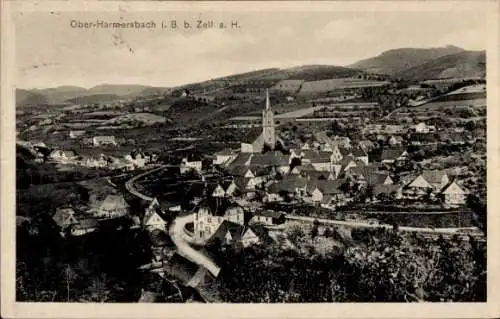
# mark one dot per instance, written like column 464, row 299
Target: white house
column 113, row 206
column 268, row 218
column 76, row 134
column 249, row 238
column 224, row 157
column 454, row 195
column 423, row 128
column 187, row 165
column 63, row 156
column 104, row 140
column 205, row 223
column 218, row 191
column 235, row 215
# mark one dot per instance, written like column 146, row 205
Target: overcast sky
column 50, row 53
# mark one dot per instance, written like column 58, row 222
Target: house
column 235, row 214
column 368, row 175
column 83, row 227
column 325, row 192
column 268, row 217
column 395, row 140
column 76, row 134
column 366, row 145
column 113, row 206
column 138, row 159
column 356, row 152
column 190, row 163
column 63, row 156
column 216, row 190
column 393, row 155
column 429, row 182
column 292, row 185
column 320, row 160
column 104, row 140
column 342, row 141
column 64, row 217
column 224, row 157
column 454, row 195
column 209, row 217
column 152, row 218
column 229, row 233
column 388, row 190
column 423, row 128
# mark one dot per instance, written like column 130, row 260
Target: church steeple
column 268, row 129
column 268, row 104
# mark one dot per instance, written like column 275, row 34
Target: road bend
column 177, row 230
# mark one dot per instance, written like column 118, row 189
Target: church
column 268, row 136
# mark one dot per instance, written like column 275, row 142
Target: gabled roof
column 273, row 158
column 269, row 213
column 239, row 170
column 235, row 230
column 241, row 182
column 261, row 232
column 241, row 159
column 291, row 182
column 252, row 135
column 433, row 176
column 315, row 175
column 392, row 153
column 225, row 152
column 114, row 202
column 326, row 187
column 454, row 188
column 386, row 189
column 317, row 156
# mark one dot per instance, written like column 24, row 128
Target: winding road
column 177, row 230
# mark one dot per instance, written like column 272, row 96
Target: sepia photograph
column 250, row 154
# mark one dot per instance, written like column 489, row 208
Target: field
column 336, row 84
column 437, row 105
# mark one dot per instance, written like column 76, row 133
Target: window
column 209, row 219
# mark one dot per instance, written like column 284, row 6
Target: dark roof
column 386, row 189
column 433, row 176
column 317, row 156
column 252, row 135
column 241, row 159
column 273, row 158
column 241, row 182
column 326, row 187
column 236, row 231
column 317, row 174
column 290, row 182
column 261, row 232
column 270, row 213
column 391, row 153
column 239, row 170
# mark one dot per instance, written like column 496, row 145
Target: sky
column 49, row 52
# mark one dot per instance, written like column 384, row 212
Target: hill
column 60, row 94
column 467, row 64
column 395, row 61
column 29, row 98
column 95, row 98
column 117, row 89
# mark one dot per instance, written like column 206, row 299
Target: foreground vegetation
column 379, row 266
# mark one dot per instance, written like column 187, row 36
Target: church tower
column 268, row 131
